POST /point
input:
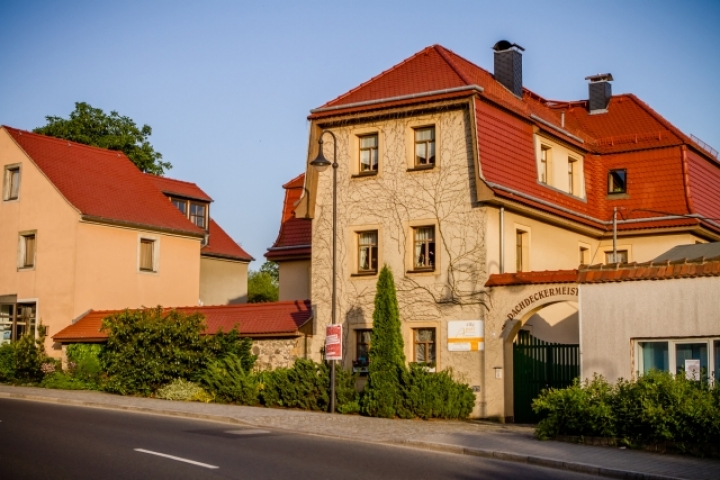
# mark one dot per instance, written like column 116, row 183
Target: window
column 617, row 181
column 584, row 256
column 424, row 253
column 362, row 348
column 369, row 154
column 180, row 205
column 522, row 251
column 197, row 214
column 695, row 358
column 544, row 161
column 622, row 257
column 424, row 345
column 572, row 166
column 27, row 248
column 11, row 183
column 368, row 252
column 424, row 146
column 147, row 255
column 17, row 320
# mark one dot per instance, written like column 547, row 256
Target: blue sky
column 227, row 86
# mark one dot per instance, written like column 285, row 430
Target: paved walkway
column 503, row 442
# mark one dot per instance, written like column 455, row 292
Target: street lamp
column 321, row 164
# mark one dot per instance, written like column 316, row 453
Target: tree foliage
column 263, row 285
column 91, row 126
column 383, row 396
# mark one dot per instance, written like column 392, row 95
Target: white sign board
column 692, row 369
column 466, row 335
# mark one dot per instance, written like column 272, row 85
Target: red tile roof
column 293, row 241
column 220, row 244
column 650, row 271
column 179, row 188
column 668, row 172
column 531, row 278
column 103, row 185
column 252, row 320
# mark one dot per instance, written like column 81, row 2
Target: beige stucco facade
column 616, row 316
column 222, row 281
column 78, row 265
column 294, row 279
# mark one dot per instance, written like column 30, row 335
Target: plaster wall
column 40, row 208
column 614, row 315
column 223, row 282
column 294, row 279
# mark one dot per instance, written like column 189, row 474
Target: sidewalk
column 502, row 442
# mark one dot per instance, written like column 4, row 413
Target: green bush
column 84, row 363
column 7, row 362
column 149, row 348
column 436, row 395
column 229, row 382
column 656, row 408
column 66, row 381
column 29, row 357
column 183, row 390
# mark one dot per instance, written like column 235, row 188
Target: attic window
column 11, row 182
column 617, row 181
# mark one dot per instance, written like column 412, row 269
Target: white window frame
column 672, row 355
column 156, row 253
column 6, row 182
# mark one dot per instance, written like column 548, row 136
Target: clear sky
column 227, row 86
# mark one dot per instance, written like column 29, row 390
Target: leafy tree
column 262, row 285
column 272, row 268
column 384, row 394
column 91, row 126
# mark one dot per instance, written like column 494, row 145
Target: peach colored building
column 83, row 228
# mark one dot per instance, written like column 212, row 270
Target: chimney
column 599, row 91
column 508, row 66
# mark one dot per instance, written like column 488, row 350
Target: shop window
column 367, row 252
column 424, row 147
column 696, row 359
column 11, row 182
column 369, row 154
column 424, row 345
column 424, row 251
column 617, row 181
column 362, row 350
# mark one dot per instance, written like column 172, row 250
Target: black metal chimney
column 508, row 66
column 600, row 91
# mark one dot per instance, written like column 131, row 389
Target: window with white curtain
column 368, row 251
column 424, row 251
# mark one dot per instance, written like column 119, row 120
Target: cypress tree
column 383, row 395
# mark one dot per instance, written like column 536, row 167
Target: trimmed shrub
column 29, row 357
column 229, row 382
column 383, row 395
column 7, row 362
column 183, row 390
column 436, row 395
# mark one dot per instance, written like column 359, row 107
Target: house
column 291, row 250
column 484, row 198
column 279, row 330
column 661, row 315
column 83, row 228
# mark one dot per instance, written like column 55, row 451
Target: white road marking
column 179, row 459
column 248, row 431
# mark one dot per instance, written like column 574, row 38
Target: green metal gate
column 538, row 365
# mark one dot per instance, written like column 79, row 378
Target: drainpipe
column 615, row 235
column 502, row 239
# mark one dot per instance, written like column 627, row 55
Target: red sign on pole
column 333, row 342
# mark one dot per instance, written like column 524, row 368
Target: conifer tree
column 383, row 396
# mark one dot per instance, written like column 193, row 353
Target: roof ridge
column 381, row 74
column 171, row 179
column 105, row 151
column 446, row 55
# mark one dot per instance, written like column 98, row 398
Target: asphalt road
column 47, row 441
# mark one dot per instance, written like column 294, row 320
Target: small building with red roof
column 83, row 228
column 484, row 197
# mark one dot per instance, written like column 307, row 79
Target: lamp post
column 321, row 164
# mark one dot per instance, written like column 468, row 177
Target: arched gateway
column 540, row 335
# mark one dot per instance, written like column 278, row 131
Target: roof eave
column 157, row 228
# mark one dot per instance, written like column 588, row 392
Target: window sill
column 420, row 168
column 26, row 269
column 147, row 271
column 422, row 270
column 617, row 196
column 365, row 174
column 364, row 274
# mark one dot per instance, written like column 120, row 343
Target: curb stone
column 440, row 447
column 537, row 460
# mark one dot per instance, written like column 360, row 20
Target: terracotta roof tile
column 531, row 278
column 170, row 186
column 220, row 244
column 252, row 319
column 102, row 184
column 295, row 234
column 649, row 271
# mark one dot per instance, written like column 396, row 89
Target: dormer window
column 544, row 169
column 559, row 167
column 617, row 181
column 180, row 205
column 196, row 212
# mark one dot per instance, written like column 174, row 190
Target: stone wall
column 276, row 353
